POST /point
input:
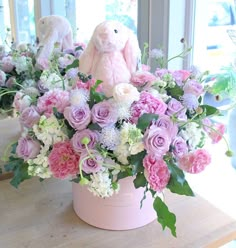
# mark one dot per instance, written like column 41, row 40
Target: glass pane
column 26, row 23
column 5, row 22
column 89, row 17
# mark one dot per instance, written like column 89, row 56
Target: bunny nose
column 104, row 36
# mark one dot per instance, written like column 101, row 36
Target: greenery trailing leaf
column 179, row 188
column 164, row 216
column 176, row 173
column 75, row 64
column 96, row 97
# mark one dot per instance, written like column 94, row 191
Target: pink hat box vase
column 119, row 212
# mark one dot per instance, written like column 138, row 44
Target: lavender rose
column 78, row 137
column 193, row 87
column 78, row 116
column 103, row 113
column 165, row 122
column 156, row 140
column 180, row 147
column 175, row 107
column 29, row 117
column 91, row 165
column 27, row 148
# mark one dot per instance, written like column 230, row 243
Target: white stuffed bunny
column 53, row 29
column 112, row 55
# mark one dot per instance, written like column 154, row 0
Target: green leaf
column 179, row 188
column 145, row 120
column 136, row 161
column 20, row 175
column 124, row 174
column 176, row 173
column 94, row 126
column 96, row 97
column 164, row 216
column 175, row 92
column 75, row 64
column 140, row 180
column 209, row 110
column 0, row 170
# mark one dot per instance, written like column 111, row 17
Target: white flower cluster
column 52, row 80
column 101, row 185
column 110, row 137
column 22, row 64
column 130, row 142
column 193, row 135
column 49, row 131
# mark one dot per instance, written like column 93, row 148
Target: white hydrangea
column 52, row 80
column 122, row 153
column 39, row 166
column 101, row 185
column 192, row 134
column 22, row 64
column 48, row 130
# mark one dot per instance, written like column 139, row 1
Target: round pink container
column 119, row 212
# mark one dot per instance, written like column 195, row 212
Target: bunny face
column 110, row 36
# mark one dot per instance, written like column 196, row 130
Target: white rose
column 125, row 93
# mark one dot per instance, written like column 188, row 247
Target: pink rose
column 195, row 162
column 78, row 116
column 156, row 140
column 147, row 104
column 63, row 161
column 156, row 172
column 161, row 72
column 56, row 98
column 91, row 164
column 29, row 116
column 103, row 113
column 78, row 137
column 180, row 147
column 140, row 78
column 27, row 148
column 193, row 87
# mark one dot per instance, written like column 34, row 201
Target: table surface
column 40, row 214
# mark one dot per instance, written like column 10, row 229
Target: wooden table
column 40, row 215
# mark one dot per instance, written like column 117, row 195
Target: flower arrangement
column 20, row 73
column 153, row 129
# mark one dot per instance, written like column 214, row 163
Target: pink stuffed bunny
column 112, row 55
column 53, row 29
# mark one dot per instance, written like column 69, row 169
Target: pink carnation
column 156, row 172
column 63, row 161
column 56, row 98
column 90, row 83
column 147, row 104
column 195, row 162
column 140, row 78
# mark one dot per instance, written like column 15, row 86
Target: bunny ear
column 87, row 57
column 132, row 53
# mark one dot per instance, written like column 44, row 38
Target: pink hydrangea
column 63, row 161
column 147, row 104
column 56, row 98
column 140, row 78
column 195, row 162
column 156, row 172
